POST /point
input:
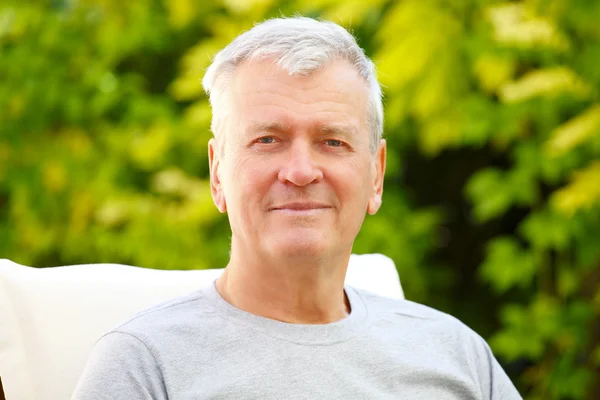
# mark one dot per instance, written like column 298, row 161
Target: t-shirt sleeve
column 121, row 366
column 496, row 385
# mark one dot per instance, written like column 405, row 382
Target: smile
column 301, row 209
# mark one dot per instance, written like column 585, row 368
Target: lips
column 301, row 206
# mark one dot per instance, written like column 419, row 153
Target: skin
column 296, row 176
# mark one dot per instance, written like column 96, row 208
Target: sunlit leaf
column 493, row 71
column 149, row 149
column 516, row 24
column 181, row 12
column 582, row 192
column 575, row 131
column 545, row 82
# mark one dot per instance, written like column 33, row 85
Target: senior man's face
column 296, row 174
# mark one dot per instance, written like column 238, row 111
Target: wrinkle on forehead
column 247, row 74
column 337, row 85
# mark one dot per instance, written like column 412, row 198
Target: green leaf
column 488, row 192
column 547, row 229
column 507, row 265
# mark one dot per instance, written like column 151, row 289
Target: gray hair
column 299, row 45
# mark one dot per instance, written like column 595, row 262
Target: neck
column 298, row 291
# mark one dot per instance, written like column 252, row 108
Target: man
column 296, row 161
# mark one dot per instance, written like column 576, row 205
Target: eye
column 266, row 140
column 334, row 143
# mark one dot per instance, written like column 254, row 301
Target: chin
column 296, row 246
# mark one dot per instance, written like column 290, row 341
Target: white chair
column 50, row 318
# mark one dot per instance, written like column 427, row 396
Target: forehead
column 263, row 93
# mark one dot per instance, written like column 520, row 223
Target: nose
column 300, row 166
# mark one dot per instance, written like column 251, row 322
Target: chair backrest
column 50, row 318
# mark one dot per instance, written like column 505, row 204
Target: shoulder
column 404, row 308
column 167, row 317
column 439, row 335
column 417, row 318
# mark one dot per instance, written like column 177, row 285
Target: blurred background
column 492, row 196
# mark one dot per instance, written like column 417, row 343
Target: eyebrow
column 268, row 127
column 338, row 129
column 334, row 129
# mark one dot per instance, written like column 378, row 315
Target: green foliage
column 507, row 265
column 493, row 128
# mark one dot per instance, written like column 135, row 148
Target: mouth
column 301, row 208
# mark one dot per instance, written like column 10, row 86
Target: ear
column 216, row 187
column 379, row 172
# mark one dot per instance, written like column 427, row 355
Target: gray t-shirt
column 201, row 347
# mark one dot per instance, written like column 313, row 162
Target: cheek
column 248, row 182
column 352, row 183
